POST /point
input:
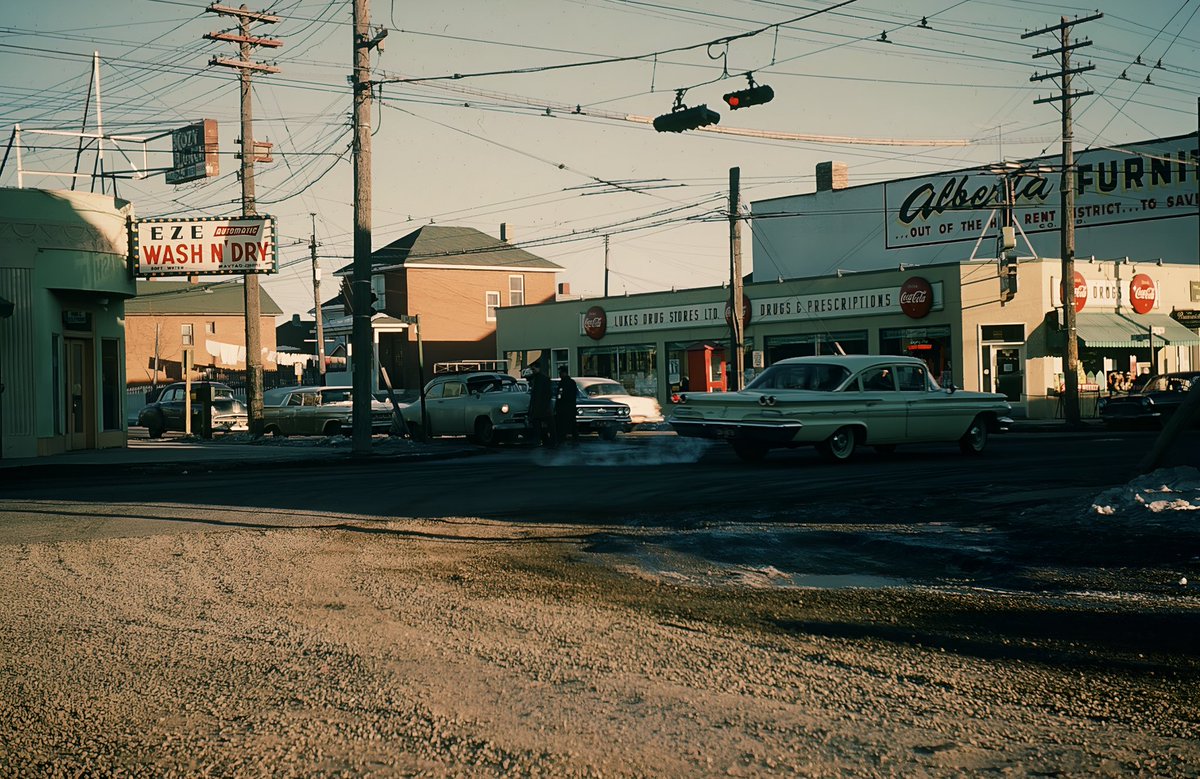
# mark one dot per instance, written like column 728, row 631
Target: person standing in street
column 541, row 418
column 564, row 406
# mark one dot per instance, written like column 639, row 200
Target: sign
column 853, row 303
column 194, row 152
column 1142, row 293
column 916, row 298
column 1188, row 317
column 204, row 246
column 747, row 313
column 595, row 323
column 1081, row 292
column 1194, row 289
column 1137, row 183
column 758, row 358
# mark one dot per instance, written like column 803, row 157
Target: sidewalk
column 176, row 452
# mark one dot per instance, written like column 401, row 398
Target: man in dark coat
column 564, row 406
column 541, row 418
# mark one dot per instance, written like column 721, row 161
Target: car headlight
column 1147, row 402
column 504, row 408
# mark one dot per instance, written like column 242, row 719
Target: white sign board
column 205, row 246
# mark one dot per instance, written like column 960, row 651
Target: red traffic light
column 744, row 98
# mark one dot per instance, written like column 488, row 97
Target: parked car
column 837, row 403
column 167, row 411
column 1152, row 402
column 324, row 411
column 642, row 410
column 486, row 406
column 603, row 416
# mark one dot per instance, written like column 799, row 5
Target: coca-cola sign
column 1143, row 293
column 916, row 297
column 595, row 323
column 1081, row 292
column 747, row 312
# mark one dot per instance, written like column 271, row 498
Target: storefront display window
column 931, row 344
column 634, row 365
column 849, row 342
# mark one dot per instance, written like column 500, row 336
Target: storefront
column 65, row 272
column 948, row 314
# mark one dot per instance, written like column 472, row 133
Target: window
column 186, row 337
column 453, row 389
column 635, row 366
column 491, row 302
column 210, row 328
column 878, row 380
column 111, row 386
column 378, row 288
column 56, row 383
column 516, row 290
column 911, row 378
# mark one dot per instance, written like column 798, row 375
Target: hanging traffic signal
column 683, row 118
column 744, row 98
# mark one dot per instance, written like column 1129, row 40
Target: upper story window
column 378, row 287
column 186, row 336
column 516, row 290
column 210, row 328
column 491, row 302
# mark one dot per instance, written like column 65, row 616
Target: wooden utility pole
column 737, row 360
column 1067, row 193
column 361, row 342
column 253, row 302
column 606, row 266
column 316, row 274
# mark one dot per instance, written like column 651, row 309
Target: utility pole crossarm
column 1062, row 49
column 272, row 43
column 254, row 16
column 1063, row 98
column 1062, row 25
column 1061, row 73
column 244, row 65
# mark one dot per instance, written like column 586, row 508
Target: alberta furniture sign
column 204, row 246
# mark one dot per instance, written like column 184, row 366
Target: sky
column 535, row 113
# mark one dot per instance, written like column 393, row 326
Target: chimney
column 295, row 319
column 503, row 232
column 832, row 175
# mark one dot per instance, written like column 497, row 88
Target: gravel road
column 135, row 644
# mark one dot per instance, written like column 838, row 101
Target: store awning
column 1119, row 331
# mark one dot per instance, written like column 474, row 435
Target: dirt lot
column 348, row 646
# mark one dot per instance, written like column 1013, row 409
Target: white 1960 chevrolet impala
column 839, row 402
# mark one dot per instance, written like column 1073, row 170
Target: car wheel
column 975, row 439
column 332, row 428
column 415, row 431
column 485, row 431
column 749, row 453
column 154, row 426
column 839, row 447
column 274, row 430
column 608, row 433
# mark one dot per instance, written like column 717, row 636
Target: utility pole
column 316, row 274
column 606, row 266
column 253, row 303
column 736, row 314
column 1067, row 192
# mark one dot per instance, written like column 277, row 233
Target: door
column 1008, row 370
column 81, row 394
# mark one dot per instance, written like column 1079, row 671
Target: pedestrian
column 1114, row 382
column 564, row 406
column 541, row 407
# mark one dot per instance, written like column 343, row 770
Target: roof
column 445, row 246
column 183, row 297
column 854, row 362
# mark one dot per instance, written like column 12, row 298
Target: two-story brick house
column 454, row 279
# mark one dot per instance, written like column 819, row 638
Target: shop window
column 491, row 302
column 635, row 366
column 516, row 290
column 110, row 383
column 846, row 342
column 931, row 344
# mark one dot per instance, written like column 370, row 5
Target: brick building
column 454, row 279
column 209, row 317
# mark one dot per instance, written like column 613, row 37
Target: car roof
column 854, row 362
column 595, row 380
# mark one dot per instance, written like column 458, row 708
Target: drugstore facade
column 1131, row 317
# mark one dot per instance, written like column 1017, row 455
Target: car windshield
column 492, row 384
column 819, row 377
column 605, row 388
column 222, row 393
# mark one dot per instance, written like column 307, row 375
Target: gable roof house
column 454, row 279
column 208, row 318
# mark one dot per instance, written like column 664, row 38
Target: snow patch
column 1165, row 493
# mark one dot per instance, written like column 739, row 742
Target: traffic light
column 744, row 98
column 682, row 118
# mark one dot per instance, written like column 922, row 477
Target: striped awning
column 1117, row 331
